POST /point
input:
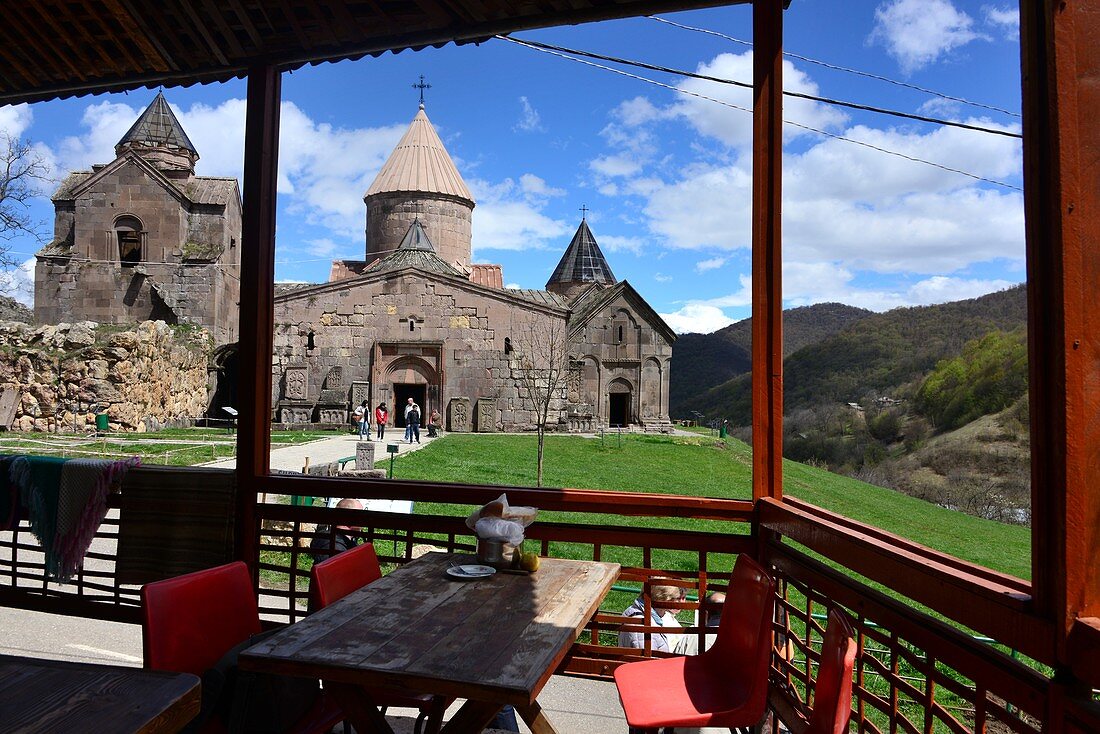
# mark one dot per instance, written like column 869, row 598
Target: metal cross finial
column 584, row 212
column 422, row 86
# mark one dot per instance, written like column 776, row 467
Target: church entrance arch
column 412, row 377
column 618, row 403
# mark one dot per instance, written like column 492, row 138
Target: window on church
column 507, row 345
column 131, row 238
column 620, row 333
column 412, row 325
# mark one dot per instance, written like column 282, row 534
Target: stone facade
column 143, row 238
column 450, row 221
column 146, row 378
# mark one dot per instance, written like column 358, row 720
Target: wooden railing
column 918, row 669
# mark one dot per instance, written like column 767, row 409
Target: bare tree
column 22, row 173
column 540, row 365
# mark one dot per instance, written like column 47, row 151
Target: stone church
column 143, row 237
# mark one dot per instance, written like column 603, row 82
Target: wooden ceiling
column 61, row 48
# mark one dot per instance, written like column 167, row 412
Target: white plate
column 470, row 571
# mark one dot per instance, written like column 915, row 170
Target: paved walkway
column 294, row 458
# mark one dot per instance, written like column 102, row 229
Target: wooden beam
column 1061, row 86
column 767, row 256
column 980, row 600
column 257, row 307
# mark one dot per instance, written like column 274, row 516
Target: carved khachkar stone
column 486, row 415
column 297, row 383
column 360, row 391
column 295, row 414
column 364, row 455
column 332, row 416
column 335, row 378
column 458, row 415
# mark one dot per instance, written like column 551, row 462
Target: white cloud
column 918, row 32
column 15, row 119
column 710, row 264
column 734, row 127
column 662, row 278
column 619, row 243
column 529, row 119
column 18, row 282
column 697, row 319
column 1006, row 20
column 534, row 186
column 508, row 219
column 513, row 286
column 615, row 165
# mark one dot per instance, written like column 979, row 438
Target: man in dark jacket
column 328, row 543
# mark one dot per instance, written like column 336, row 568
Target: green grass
column 169, row 447
column 701, row 466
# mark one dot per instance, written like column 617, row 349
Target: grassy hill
column 704, row 467
column 880, row 353
column 703, row 361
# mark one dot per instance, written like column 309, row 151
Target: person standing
column 362, row 417
column 414, row 423
column 381, row 415
column 408, row 428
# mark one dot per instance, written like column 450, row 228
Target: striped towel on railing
column 66, row 500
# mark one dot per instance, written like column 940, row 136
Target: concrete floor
column 573, row 705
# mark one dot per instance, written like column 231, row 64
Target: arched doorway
column 618, row 403
column 412, row 377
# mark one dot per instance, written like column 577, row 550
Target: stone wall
column 144, row 378
column 447, row 221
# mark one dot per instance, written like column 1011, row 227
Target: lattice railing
column 914, row 673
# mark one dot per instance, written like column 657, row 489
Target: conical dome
column 420, row 164
column 420, row 181
column 159, row 138
column 582, row 264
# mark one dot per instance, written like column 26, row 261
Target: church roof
column 583, row 261
column 158, row 126
column 415, row 251
column 420, row 164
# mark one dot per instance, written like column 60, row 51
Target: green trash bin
column 101, row 422
column 301, row 500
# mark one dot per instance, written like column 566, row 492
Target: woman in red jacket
column 380, row 417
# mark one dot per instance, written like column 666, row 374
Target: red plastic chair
column 833, row 690
column 725, row 686
column 336, row 577
column 189, row 622
column 339, row 575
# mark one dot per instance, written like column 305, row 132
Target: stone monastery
column 144, row 238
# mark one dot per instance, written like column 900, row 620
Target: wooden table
column 54, row 696
column 492, row 641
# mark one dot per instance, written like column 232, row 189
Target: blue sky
column 665, row 175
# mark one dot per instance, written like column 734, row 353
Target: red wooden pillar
column 767, row 254
column 261, row 167
column 1061, row 85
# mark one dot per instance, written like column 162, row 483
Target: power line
column 808, row 128
column 836, row 67
column 786, row 93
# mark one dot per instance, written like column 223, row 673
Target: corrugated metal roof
column 157, row 126
column 415, row 251
column 420, row 164
column 583, row 261
column 210, row 190
column 533, row 294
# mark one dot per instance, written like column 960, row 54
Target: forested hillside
column 703, row 361
column 880, row 354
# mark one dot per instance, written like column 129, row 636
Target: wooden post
column 767, row 255
column 1061, row 88
column 257, row 308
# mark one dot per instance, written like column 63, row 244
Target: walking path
column 323, row 450
column 293, row 458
